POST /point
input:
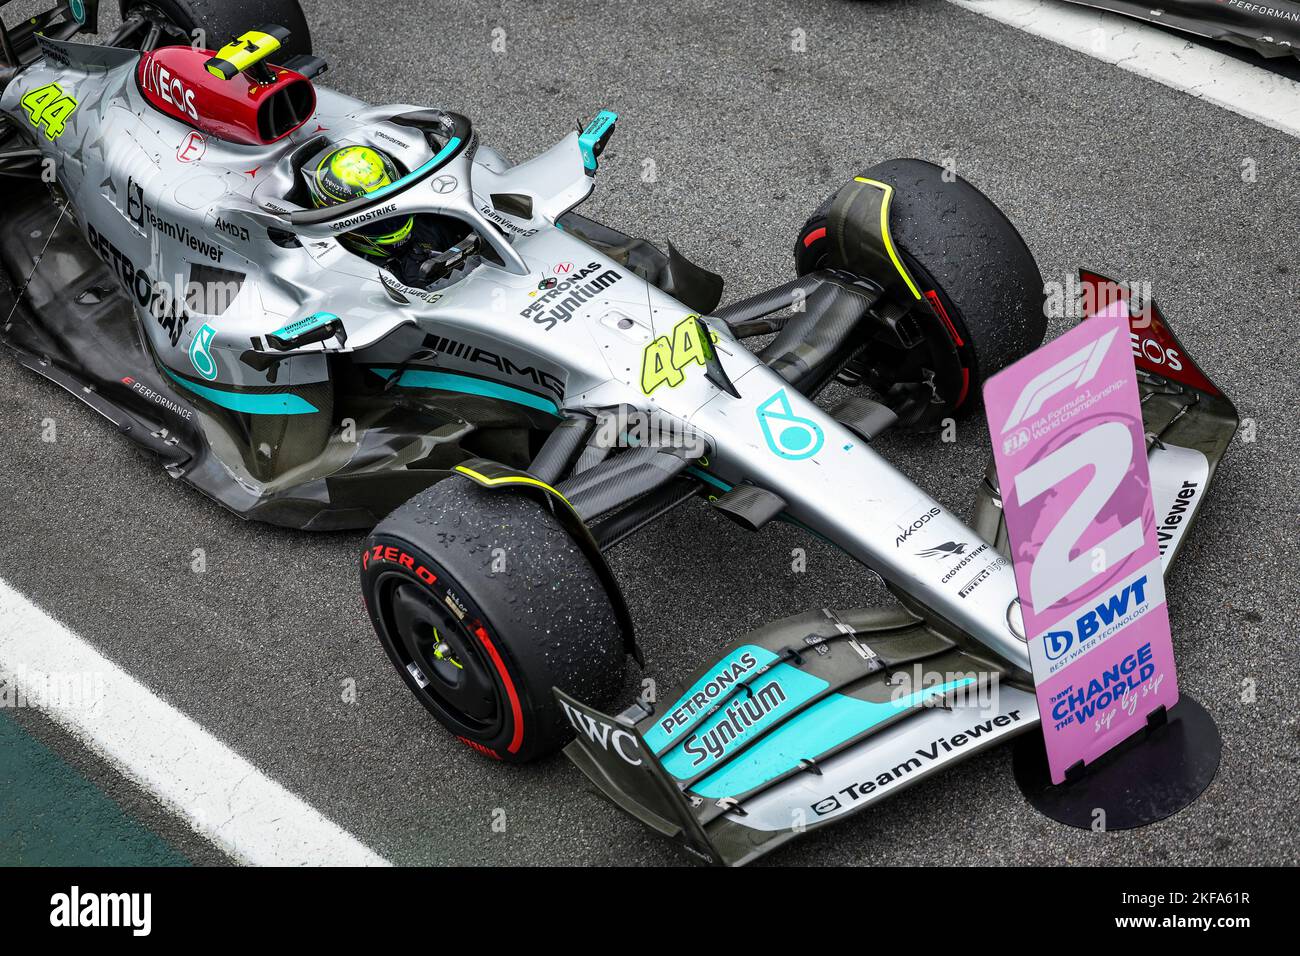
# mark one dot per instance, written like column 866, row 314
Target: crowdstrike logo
column 1071, row 372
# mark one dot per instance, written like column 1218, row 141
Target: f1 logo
column 192, row 147
column 1071, row 372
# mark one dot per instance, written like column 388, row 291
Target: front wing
column 806, row 721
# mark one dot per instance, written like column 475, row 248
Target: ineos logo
column 445, row 184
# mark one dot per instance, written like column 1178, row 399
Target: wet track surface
column 1096, row 166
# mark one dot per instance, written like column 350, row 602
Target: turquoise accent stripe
column 313, row 321
column 590, row 136
column 412, row 176
column 250, row 403
column 773, row 696
column 707, row 478
column 468, row 385
column 824, row 725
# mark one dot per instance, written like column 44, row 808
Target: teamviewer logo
column 828, row 805
column 1071, row 372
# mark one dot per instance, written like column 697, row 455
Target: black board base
column 1152, row 775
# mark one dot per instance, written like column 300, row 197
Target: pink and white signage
column 1071, row 456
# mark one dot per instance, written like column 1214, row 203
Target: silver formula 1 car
column 516, row 392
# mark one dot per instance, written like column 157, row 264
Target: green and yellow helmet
column 344, row 173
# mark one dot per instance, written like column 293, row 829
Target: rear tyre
column 983, row 292
column 484, row 602
column 221, row 20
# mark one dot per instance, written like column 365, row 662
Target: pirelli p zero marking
column 397, row 556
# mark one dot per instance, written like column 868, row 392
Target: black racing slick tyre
column 484, row 603
column 222, row 20
column 982, row 304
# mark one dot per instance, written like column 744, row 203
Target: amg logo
column 471, row 354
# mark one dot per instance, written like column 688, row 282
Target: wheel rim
column 442, row 660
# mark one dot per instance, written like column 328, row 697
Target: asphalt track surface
column 1095, row 165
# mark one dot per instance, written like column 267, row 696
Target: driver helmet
column 343, row 173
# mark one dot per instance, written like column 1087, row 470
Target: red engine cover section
column 173, row 79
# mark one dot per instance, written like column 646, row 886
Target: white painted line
column 1180, row 62
column 219, row 793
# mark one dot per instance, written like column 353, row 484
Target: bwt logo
column 1071, row 372
column 1057, row 643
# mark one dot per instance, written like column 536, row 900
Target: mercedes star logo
column 444, row 184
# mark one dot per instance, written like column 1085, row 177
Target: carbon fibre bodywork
column 1269, row 27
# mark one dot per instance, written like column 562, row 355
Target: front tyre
column 484, row 603
column 981, row 305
